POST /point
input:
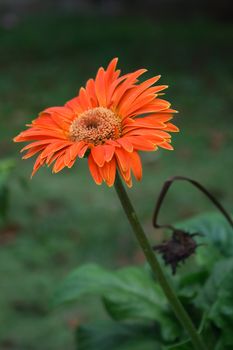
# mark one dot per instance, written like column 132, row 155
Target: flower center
column 96, row 126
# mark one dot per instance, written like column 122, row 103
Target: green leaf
column 215, row 283
column 88, row 279
column 217, row 298
column 140, row 344
column 217, row 237
column 138, row 297
column 128, row 294
column 116, row 336
column 187, row 345
column 209, row 335
column 189, row 284
column 212, row 344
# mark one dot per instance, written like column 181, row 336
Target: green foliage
column 217, row 298
column 128, row 293
column 56, row 55
column 217, row 244
column 138, row 309
column 116, row 336
column 186, row 345
column 6, row 167
column 217, row 234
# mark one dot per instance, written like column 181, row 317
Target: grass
column 61, row 221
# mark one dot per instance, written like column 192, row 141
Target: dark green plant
column 139, row 315
column 6, row 168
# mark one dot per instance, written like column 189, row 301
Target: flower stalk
column 175, row 303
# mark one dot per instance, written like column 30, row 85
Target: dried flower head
column 178, row 248
column 110, row 120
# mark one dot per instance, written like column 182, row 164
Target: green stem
column 180, row 312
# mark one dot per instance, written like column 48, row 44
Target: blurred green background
column 57, row 222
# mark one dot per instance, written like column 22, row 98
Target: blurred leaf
column 4, row 201
column 218, row 242
column 190, row 283
column 217, row 237
column 6, row 167
column 138, row 296
column 209, row 336
column 88, row 279
column 23, row 182
column 116, row 336
column 217, row 298
column 215, row 283
column 128, row 294
column 144, row 344
column 186, row 345
column 221, row 346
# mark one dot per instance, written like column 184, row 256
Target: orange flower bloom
column 110, row 120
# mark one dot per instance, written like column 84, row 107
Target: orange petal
column 166, row 145
column 112, row 87
column 112, row 172
column 71, row 163
column 141, row 132
column 124, row 142
column 140, row 104
column 32, row 152
column 94, row 170
column 157, row 135
column 122, row 159
column 35, row 134
column 140, row 143
column 67, row 157
column 136, row 91
column 72, row 152
column 38, row 163
column 75, row 149
column 50, row 159
column 112, row 143
column 108, row 152
column 59, row 164
column 37, row 143
column 100, row 87
column 108, row 172
column 84, row 99
column 98, row 155
column 136, row 165
column 157, row 106
column 62, row 116
column 160, row 117
column 83, row 150
column 90, row 90
column 171, row 127
column 54, row 147
column 126, row 175
column 74, row 105
column 146, row 122
column 110, row 71
column 129, row 182
column 63, row 113
column 121, row 89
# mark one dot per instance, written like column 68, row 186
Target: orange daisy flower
column 110, row 120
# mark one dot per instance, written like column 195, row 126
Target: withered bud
column 178, row 248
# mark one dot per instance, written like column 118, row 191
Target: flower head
column 110, row 120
